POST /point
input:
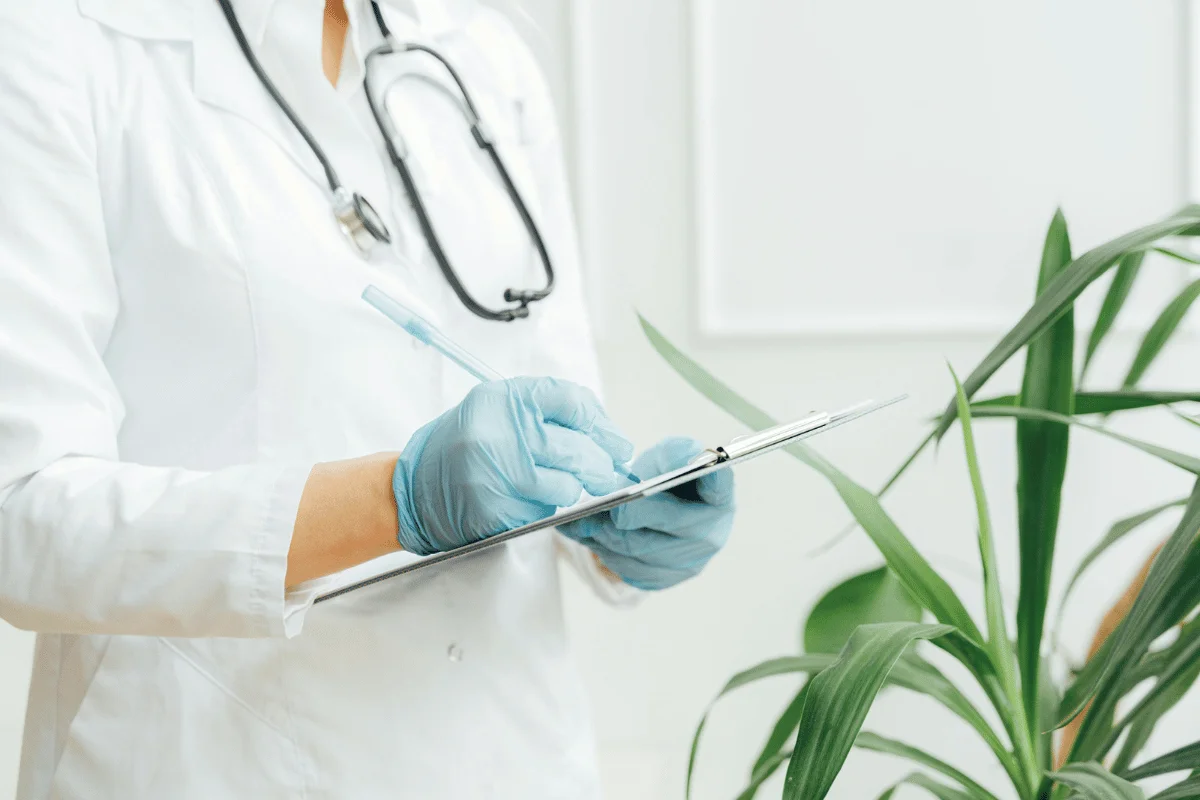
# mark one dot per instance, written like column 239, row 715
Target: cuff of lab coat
column 280, row 612
column 615, row 593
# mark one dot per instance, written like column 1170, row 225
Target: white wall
column 824, row 201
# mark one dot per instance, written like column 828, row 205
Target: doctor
column 202, row 425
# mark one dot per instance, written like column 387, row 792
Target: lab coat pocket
column 152, row 721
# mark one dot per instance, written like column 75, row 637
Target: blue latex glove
column 659, row 541
column 510, row 453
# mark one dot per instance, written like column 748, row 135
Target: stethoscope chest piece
column 359, row 220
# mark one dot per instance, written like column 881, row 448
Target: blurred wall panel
column 879, row 167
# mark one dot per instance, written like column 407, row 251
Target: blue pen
column 426, row 332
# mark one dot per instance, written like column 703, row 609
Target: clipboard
column 737, row 451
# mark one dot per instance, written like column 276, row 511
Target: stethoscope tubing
column 346, row 202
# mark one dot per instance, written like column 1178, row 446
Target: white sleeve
column 562, row 319
column 89, row 544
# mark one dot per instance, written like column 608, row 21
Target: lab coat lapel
column 290, row 53
column 224, row 79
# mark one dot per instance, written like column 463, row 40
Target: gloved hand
column 509, row 454
column 658, row 541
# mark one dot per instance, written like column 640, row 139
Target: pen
column 426, row 332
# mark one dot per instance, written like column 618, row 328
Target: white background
column 822, row 201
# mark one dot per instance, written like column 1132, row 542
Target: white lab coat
column 181, row 339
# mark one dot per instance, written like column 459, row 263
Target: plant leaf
column 1187, row 789
column 1105, row 402
column 1160, row 332
column 1141, row 625
column 784, row 727
column 999, row 646
column 1186, row 757
column 1061, row 292
column 997, row 635
column 912, row 673
column 762, row 772
column 1119, row 530
column 881, row 744
column 1096, row 736
column 1041, row 467
column 1178, row 255
column 938, row 790
column 1118, row 292
column 1096, row 783
column 921, row 580
column 1047, row 708
column 838, row 700
column 1181, row 460
column 916, row 674
column 703, row 381
column 1180, row 672
column 917, row 575
column 784, row 665
column 874, row 596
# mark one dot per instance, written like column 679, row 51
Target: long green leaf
column 873, row 596
column 704, row 382
column 1048, row 708
column 1181, row 460
column 762, row 772
column 1119, row 530
column 913, row 570
column 1140, row 627
column 838, row 701
column 880, row 744
column 1186, row 757
column 1160, row 332
column 783, row 729
column 1118, row 292
column 1153, row 664
column 1178, row 676
column 999, row 646
column 1096, row 783
column 1105, row 402
column 1188, row 789
column 938, row 790
column 785, row 665
column 1184, row 594
column 993, row 601
column 918, row 675
column 912, row 673
column 1041, row 467
column 1178, row 255
column 1179, row 598
column 921, row 580
column 1060, row 294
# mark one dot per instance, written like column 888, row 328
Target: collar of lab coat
column 222, row 77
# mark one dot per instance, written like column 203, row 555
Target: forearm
column 347, row 515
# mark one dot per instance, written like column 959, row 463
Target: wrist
column 347, row 516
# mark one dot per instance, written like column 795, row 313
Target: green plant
column 862, row 635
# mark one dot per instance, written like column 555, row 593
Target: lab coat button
column 454, row 653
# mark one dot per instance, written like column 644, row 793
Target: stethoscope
column 358, row 219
